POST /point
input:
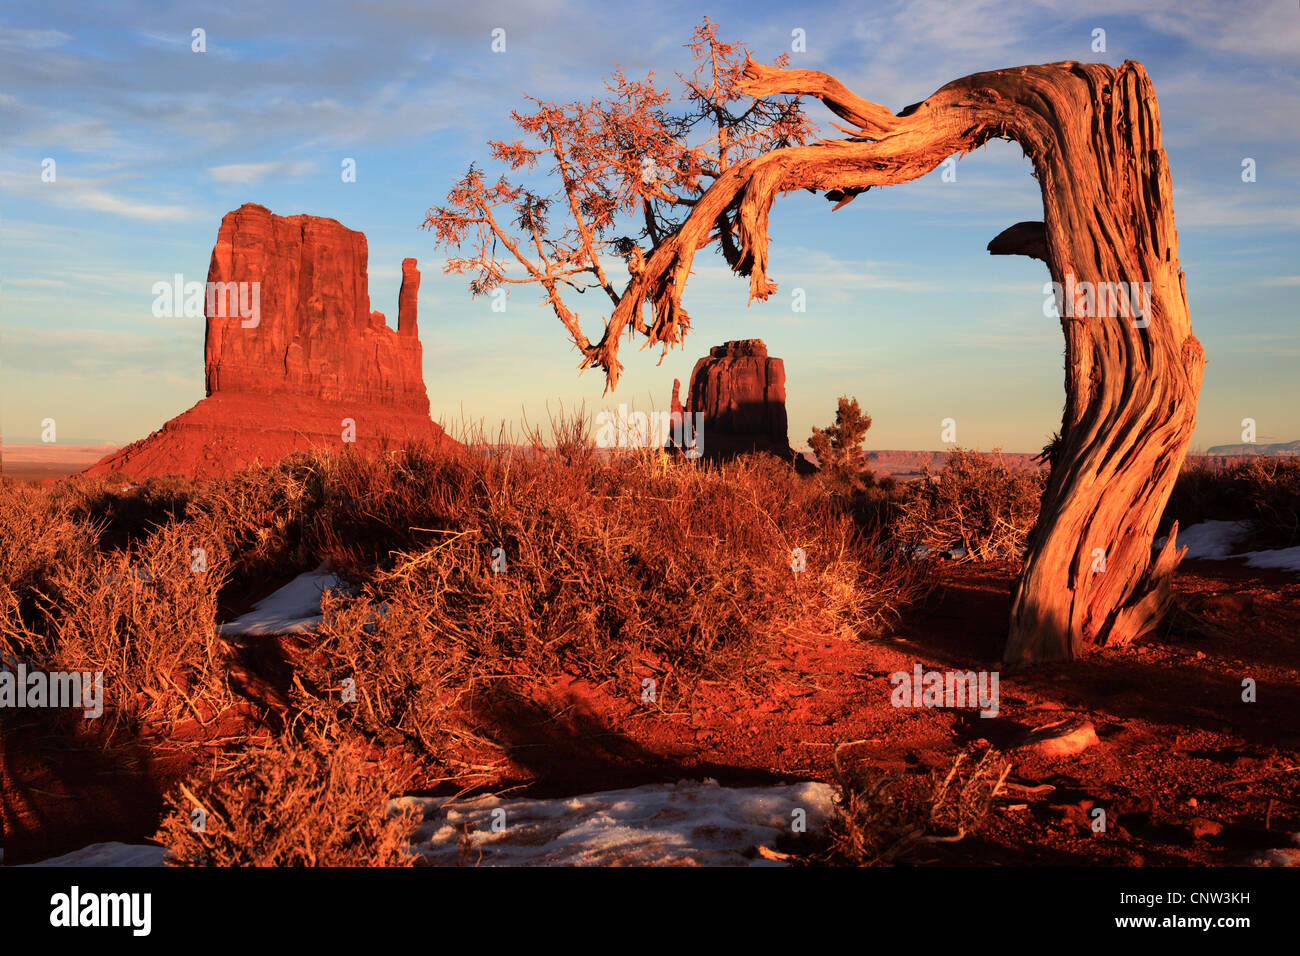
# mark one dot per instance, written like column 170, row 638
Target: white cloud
column 14, row 38
column 100, row 200
column 249, row 173
column 70, row 192
column 1233, row 209
column 34, row 282
column 1259, row 29
column 102, row 352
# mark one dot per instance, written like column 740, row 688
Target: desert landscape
column 326, row 605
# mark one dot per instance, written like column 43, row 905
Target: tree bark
column 1092, row 133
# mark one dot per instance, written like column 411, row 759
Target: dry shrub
column 97, row 576
column 260, row 515
column 611, row 561
column 882, row 820
column 642, row 554
column 614, row 563
column 145, row 618
column 975, row 501
column 1272, row 493
column 571, row 439
column 309, row 798
column 407, row 675
column 608, row 558
column 1263, row 490
column 38, row 538
column 123, row 513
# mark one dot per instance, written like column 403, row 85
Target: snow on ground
column 1285, row 559
column 690, row 823
column 687, row 823
column 1217, row 541
column 616, row 827
column 294, row 609
column 1210, row 540
column 108, row 854
column 1285, row 856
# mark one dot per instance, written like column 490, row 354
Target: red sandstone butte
column 314, row 357
column 741, row 392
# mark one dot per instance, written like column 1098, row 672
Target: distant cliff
column 1286, row 449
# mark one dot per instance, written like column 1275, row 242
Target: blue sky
column 154, row 143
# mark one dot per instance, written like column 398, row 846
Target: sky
column 152, row 143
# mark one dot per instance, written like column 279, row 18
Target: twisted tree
column 1133, row 366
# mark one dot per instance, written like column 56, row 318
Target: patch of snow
column 1217, row 540
column 294, row 609
column 1285, row 559
column 1209, row 540
column 1280, row 857
column 1277, row 858
column 109, row 854
column 689, row 823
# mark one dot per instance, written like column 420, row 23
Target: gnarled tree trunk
column 1093, row 135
